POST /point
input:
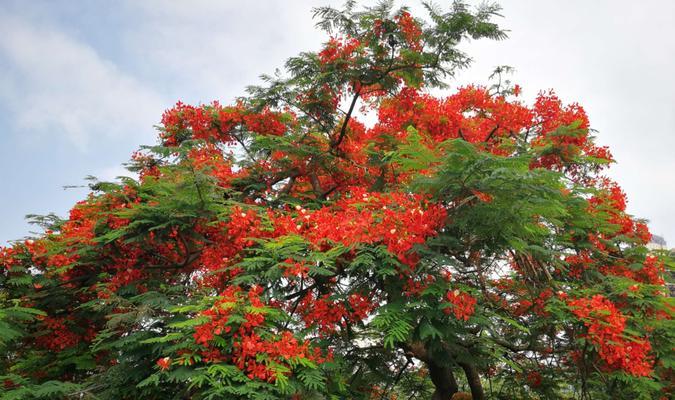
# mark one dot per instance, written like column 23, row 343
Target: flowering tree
column 280, row 248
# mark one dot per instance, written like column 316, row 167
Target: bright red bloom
column 410, row 29
column 164, row 363
column 606, row 327
column 463, row 304
column 338, row 51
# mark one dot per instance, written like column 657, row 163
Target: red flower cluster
column 360, row 306
column 471, row 113
column 214, row 123
column 164, row 363
column 578, row 263
column 322, row 312
column 218, row 316
column 9, row 256
column 651, row 272
column 184, row 121
column 477, row 116
column 397, row 220
column 606, row 326
column 339, row 50
column 210, row 159
column 415, row 287
column 328, row 315
column 410, row 29
column 250, row 352
column 293, row 268
column 252, row 348
column 57, row 335
column 537, row 306
column 463, row 304
column 550, row 115
column 225, row 240
column 611, row 200
column 264, row 123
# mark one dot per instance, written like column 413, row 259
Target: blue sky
column 83, row 82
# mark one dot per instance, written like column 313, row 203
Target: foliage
column 280, row 248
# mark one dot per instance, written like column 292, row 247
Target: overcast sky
column 83, row 82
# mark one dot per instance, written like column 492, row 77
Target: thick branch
column 316, row 185
column 441, row 375
column 444, row 381
column 473, row 378
column 343, row 130
column 492, row 132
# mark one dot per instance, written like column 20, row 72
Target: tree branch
column 343, row 130
column 473, row 378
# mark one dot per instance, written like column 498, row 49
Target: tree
column 280, row 248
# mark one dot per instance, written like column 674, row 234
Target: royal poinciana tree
column 281, row 247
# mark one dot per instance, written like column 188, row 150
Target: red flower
column 534, row 379
column 463, row 304
column 484, row 197
column 606, row 327
column 338, row 50
column 164, row 363
column 410, row 29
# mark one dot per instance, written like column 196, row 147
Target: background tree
column 281, row 248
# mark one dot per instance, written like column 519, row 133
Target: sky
column 82, row 83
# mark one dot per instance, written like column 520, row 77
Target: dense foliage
column 279, row 247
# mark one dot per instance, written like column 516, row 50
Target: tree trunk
column 441, row 375
column 473, row 378
column 443, row 380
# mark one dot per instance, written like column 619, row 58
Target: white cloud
column 56, row 85
column 210, row 50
